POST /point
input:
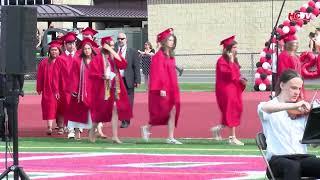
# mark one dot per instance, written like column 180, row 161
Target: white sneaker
column 234, row 141
column 145, row 134
column 71, row 134
column 216, row 133
column 173, row 141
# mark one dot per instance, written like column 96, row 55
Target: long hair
column 149, row 44
column 82, row 55
column 49, row 54
column 228, row 50
column 166, row 49
column 286, row 76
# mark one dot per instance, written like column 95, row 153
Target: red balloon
column 260, row 70
column 316, row 11
column 303, row 9
column 263, row 59
column 311, row 3
column 286, row 23
column 292, row 30
column 258, row 81
column 279, row 30
column 266, row 81
column 300, row 22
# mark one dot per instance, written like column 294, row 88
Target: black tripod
column 14, row 86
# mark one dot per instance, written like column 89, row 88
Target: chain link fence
column 194, row 65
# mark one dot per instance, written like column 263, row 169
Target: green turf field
column 157, row 146
column 30, row 87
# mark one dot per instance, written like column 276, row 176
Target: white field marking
column 142, row 148
column 40, row 175
column 183, row 164
column 60, row 156
column 250, row 175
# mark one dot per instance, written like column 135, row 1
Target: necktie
column 120, row 51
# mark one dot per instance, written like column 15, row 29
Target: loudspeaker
column 18, row 39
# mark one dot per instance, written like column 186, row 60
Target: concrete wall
column 201, row 24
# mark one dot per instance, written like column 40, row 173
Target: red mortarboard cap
column 90, row 42
column 226, row 42
column 164, row 34
column 69, row 37
column 106, row 39
column 89, row 31
column 290, row 38
column 55, row 43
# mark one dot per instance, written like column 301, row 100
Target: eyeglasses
column 121, row 39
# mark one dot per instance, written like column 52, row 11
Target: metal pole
column 252, row 69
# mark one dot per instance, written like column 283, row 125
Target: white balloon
column 285, row 29
column 269, row 77
column 263, row 54
column 298, row 28
column 266, row 65
column 262, row 87
column 256, row 75
column 317, row 5
column 305, row 5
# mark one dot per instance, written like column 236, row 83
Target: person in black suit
column 131, row 75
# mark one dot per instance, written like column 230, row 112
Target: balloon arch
column 310, row 62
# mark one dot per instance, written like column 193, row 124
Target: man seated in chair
column 287, row 157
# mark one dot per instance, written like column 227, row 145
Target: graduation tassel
column 107, row 90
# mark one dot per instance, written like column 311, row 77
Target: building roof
column 78, row 13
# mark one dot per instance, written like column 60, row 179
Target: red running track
column 199, row 112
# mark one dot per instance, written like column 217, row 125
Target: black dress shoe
column 125, row 124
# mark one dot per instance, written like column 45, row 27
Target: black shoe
column 6, row 139
column 125, row 124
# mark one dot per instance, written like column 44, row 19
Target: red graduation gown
column 163, row 76
column 78, row 110
column 229, row 92
column 62, row 79
column 101, row 109
column 286, row 61
column 45, row 86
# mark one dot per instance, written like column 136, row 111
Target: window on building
column 24, row 2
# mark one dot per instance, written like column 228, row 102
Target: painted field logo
column 299, row 15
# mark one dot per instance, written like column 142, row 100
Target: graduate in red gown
column 79, row 116
column 46, row 86
column 229, row 87
column 62, row 78
column 288, row 58
column 110, row 100
column 164, row 93
column 88, row 32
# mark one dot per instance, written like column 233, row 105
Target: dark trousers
column 130, row 92
column 293, row 167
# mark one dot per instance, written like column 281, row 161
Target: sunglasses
column 121, row 39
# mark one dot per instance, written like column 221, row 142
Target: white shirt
column 123, row 54
column 283, row 134
column 68, row 53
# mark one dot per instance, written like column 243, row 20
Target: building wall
column 71, row 2
column 200, row 25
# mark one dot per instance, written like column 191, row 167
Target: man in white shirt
column 287, row 157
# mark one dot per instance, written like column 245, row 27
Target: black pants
column 293, row 167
